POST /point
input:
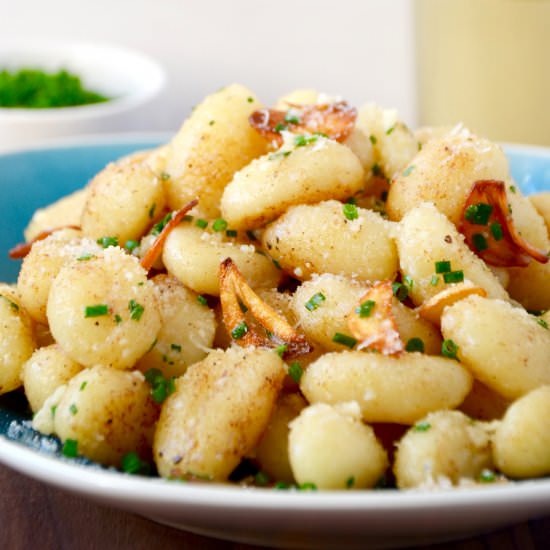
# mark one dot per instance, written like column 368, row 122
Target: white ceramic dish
column 131, row 79
column 353, row 519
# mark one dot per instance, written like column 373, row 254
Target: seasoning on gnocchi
column 296, row 297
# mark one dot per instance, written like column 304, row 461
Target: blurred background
column 483, row 62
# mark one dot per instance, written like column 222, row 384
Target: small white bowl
column 132, row 81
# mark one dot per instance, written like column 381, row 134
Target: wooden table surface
column 36, row 516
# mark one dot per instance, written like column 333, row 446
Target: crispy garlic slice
column 236, row 293
column 487, row 225
column 372, row 322
column 170, row 222
column 335, row 120
column 20, row 250
column 432, row 309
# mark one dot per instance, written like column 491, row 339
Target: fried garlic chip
column 20, row 250
column 334, row 120
column 487, row 225
column 170, row 222
column 237, row 298
column 372, row 322
column 432, row 309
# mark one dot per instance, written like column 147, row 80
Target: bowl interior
column 34, row 178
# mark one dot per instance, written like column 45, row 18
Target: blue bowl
column 36, row 177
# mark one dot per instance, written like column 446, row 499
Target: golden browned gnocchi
column 521, row 440
column 211, row 146
column 217, row 413
column 123, row 200
column 107, row 412
column 47, row 369
column 43, row 263
column 388, row 389
column 331, row 448
column 326, row 238
column 491, row 337
column 445, row 446
column 187, row 329
column 284, row 297
column 104, row 310
column 309, row 172
column 17, row 340
column 194, row 256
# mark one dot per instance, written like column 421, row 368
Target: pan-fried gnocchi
column 310, row 296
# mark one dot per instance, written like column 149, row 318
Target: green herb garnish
column 96, row 310
column 365, row 309
column 136, row 310
column 350, row 211
column 449, row 349
column 415, row 344
column 239, row 331
column 106, row 242
column 344, row 339
column 315, row 301
column 295, row 371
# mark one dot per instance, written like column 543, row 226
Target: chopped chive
column 250, row 99
column 85, row 257
column 219, row 225
column 203, row 224
column 231, row 232
column 53, row 408
column 295, row 371
column 280, row 127
column 136, row 310
column 496, row 231
column 96, row 310
column 344, row 339
column 131, row 463
column 449, row 349
column 276, row 263
column 315, row 301
column 479, row 213
column 211, row 123
column 453, row 277
column 422, row 426
column 408, row 281
column 261, row 479
column 175, row 347
column 281, row 349
column 408, row 170
column 365, row 309
column 292, row 118
column 281, row 486
column 513, row 188
column 73, row 409
column 443, row 266
column 390, row 130
column 415, row 344
column 373, row 139
column 158, row 227
column 487, row 476
column 400, row 291
column 152, row 211
column 239, row 331
column 301, row 140
column 118, row 319
column 350, row 482
column 106, row 242
column 131, row 245
column 480, row 242
column 70, row 448
column 350, row 211
column 434, row 280
column 307, row 486
column 202, row 300
column 83, row 385
column 542, row 323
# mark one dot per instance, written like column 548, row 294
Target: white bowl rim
column 154, row 71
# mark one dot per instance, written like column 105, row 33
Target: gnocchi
column 311, row 296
